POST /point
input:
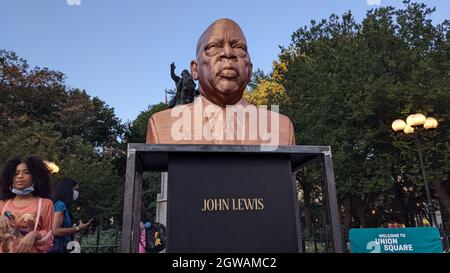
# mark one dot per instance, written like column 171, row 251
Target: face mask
column 147, row 225
column 75, row 195
column 25, row 191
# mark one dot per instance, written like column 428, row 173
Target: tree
column 267, row 89
column 40, row 95
column 40, row 115
column 137, row 130
column 27, row 95
column 345, row 82
column 136, row 134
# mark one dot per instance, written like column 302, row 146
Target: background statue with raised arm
column 185, row 87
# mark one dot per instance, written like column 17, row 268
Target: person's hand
column 27, row 243
column 5, row 223
column 86, row 225
column 172, row 65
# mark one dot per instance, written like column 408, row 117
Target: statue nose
column 228, row 52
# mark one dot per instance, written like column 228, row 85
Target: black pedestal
column 227, row 198
column 229, row 203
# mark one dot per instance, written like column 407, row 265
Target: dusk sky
column 120, row 51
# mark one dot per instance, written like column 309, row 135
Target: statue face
column 185, row 73
column 223, row 65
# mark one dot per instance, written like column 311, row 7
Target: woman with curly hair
column 26, row 210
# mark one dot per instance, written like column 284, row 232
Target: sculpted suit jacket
column 202, row 122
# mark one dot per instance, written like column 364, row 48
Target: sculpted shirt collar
column 206, row 114
column 212, row 119
column 205, row 101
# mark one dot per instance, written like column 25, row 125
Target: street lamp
column 165, row 95
column 415, row 121
column 51, row 167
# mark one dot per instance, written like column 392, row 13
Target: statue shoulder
column 156, row 126
column 170, row 114
column 160, row 116
column 160, row 124
column 285, row 119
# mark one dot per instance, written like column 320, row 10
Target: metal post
column 430, row 205
column 165, row 96
column 128, row 201
column 99, row 228
column 332, row 204
column 297, row 219
column 136, row 213
column 116, row 230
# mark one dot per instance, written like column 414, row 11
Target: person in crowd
column 26, row 210
column 67, row 191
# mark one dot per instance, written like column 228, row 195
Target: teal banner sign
column 395, row 240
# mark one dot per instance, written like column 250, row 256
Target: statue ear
column 194, row 71
column 250, row 72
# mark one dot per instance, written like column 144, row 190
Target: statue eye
column 210, row 46
column 240, row 46
column 211, row 49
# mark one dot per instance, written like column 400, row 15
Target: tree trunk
column 444, row 198
column 308, row 223
column 307, row 202
column 347, row 215
column 443, row 195
column 360, row 208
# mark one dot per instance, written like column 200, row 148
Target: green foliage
column 136, row 133
column 268, row 89
column 100, row 188
column 150, row 189
column 257, row 76
column 347, row 81
column 39, row 115
column 137, row 130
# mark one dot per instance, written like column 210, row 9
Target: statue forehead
column 218, row 29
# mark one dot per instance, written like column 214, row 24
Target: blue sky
column 120, row 50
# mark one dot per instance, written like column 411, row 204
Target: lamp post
column 51, row 167
column 165, row 95
column 415, row 121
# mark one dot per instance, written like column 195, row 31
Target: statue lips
column 229, row 73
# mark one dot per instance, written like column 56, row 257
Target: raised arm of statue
column 172, row 73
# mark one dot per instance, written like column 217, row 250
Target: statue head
column 185, row 74
column 222, row 66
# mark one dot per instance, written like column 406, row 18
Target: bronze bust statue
column 223, row 69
